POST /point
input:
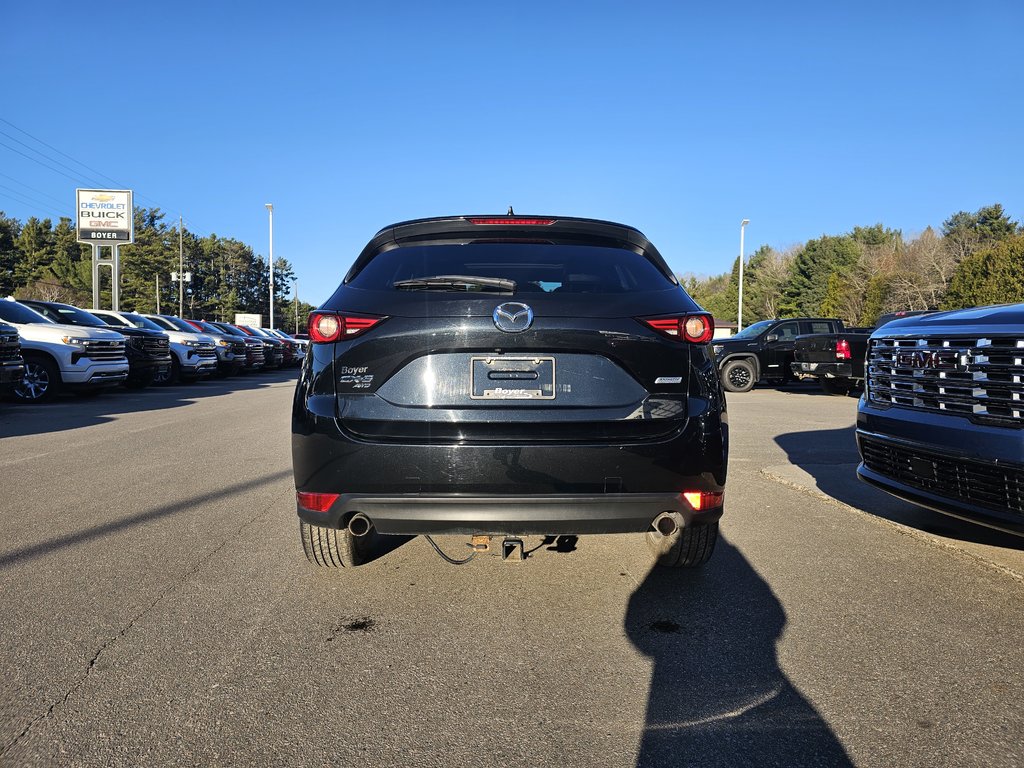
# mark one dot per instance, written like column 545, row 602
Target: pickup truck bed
column 836, row 360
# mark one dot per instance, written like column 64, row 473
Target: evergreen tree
column 991, row 276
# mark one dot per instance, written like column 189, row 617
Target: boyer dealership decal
column 104, row 215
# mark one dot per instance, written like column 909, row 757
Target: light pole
column 270, row 209
column 739, row 315
column 181, row 272
column 295, row 288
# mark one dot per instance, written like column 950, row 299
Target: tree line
column 40, row 259
column 974, row 260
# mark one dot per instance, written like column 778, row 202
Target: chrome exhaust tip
column 359, row 524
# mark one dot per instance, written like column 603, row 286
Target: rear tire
column 694, row 545
column 336, row 548
column 41, row 382
column 837, row 387
column 738, row 376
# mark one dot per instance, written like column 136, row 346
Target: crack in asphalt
column 173, row 586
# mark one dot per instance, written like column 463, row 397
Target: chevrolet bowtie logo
column 512, row 317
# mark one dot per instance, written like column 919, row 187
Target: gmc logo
column 944, row 360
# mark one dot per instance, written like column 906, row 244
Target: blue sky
column 678, row 118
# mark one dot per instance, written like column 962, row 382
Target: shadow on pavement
column 18, row 556
column 830, row 457
column 718, row 696
column 73, row 412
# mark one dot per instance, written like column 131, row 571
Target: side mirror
column 771, row 337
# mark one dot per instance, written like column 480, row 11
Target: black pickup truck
column 764, row 351
column 836, row 359
column 940, row 423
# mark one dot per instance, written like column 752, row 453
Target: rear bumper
column 825, row 370
column 508, row 515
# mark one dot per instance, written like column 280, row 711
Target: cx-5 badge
column 512, row 317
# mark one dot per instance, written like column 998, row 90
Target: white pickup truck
column 61, row 356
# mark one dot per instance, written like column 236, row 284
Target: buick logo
column 512, row 317
column 939, row 361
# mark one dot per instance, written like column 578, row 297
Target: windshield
column 69, row 315
column 141, row 322
column 13, row 312
column 518, row 267
column 228, row 329
column 753, row 330
column 179, row 324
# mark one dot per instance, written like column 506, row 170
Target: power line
column 41, row 154
column 64, row 154
column 33, row 189
column 197, row 228
column 31, row 203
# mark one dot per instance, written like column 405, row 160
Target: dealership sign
column 104, row 216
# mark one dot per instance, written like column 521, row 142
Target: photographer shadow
column 718, row 696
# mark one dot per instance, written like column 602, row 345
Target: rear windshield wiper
column 457, row 283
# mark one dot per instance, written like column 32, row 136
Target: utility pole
column 181, row 273
column 270, row 209
column 739, row 313
column 296, row 284
column 158, row 294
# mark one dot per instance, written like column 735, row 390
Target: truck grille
column 207, row 351
column 104, row 350
column 10, row 346
column 982, row 379
column 998, row 486
column 155, row 347
column 238, row 348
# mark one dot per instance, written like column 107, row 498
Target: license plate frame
column 507, row 378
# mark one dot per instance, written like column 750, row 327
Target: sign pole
column 95, row 276
column 115, row 279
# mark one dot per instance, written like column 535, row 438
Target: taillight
column 843, row 350
column 696, row 329
column 331, row 326
column 316, row 502
column 701, row 501
column 515, row 222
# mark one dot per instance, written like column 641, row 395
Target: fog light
column 701, row 501
column 316, row 502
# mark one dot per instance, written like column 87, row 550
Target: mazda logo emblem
column 512, row 317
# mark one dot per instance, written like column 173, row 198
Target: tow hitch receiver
column 512, row 549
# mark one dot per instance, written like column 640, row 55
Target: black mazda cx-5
column 508, row 376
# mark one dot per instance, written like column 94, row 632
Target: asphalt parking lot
column 159, row 611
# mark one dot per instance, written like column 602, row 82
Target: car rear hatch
column 563, row 351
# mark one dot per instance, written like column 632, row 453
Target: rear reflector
column 843, row 350
column 701, row 501
column 512, row 221
column 316, row 502
column 696, row 329
column 330, row 326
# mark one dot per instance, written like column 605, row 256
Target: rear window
column 535, row 267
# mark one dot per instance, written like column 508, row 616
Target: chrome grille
column 206, row 350
column 981, row 378
column 998, row 486
column 158, row 347
column 103, row 350
column 10, row 347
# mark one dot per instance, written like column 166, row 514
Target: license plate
column 512, row 378
column 808, row 366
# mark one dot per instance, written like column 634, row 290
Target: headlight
column 191, row 343
column 74, row 340
column 223, row 343
column 718, row 348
